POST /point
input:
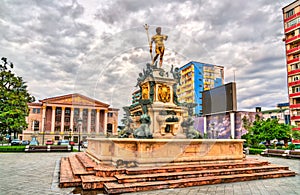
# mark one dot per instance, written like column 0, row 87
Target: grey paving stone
column 36, row 173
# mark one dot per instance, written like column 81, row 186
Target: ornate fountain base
column 162, row 152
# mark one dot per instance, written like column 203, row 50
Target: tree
column 13, row 100
column 267, row 130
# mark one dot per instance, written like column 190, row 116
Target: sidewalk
column 36, row 173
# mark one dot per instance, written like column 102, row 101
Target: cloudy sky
column 97, row 48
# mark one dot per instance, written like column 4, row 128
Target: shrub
column 12, row 148
column 262, row 146
column 291, row 147
column 255, row 151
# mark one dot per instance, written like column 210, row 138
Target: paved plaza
column 37, row 173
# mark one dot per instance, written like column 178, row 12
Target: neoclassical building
column 67, row 117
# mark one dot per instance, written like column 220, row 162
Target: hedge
column 255, row 151
column 12, row 148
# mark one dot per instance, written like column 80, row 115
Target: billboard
column 220, row 99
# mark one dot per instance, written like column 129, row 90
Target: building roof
column 198, row 63
column 74, row 99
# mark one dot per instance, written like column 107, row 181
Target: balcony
column 294, row 94
column 293, row 50
column 294, row 83
column 295, row 106
column 293, row 72
column 294, row 38
column 292, row 17
column 292, row 28
column 293, row 60
column 295, row 117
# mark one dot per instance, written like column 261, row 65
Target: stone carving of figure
column 143, row 131
column 188, row 124
column 158, row 39
column 140, row 79
column 148, row 71
column 176, row 74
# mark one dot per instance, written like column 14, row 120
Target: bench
column 294, row 154
column 274, row 152
column 60, row 149
column 48, row 148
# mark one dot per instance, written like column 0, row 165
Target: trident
column 146, row 26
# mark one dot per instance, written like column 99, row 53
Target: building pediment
column 74, row 99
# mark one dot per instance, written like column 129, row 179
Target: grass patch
column 12, row 148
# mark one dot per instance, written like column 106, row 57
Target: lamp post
column 79, row 121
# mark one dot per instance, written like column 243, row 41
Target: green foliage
column 13, row 100
column 291, row 147
column 12, row 148
column 255, row 151
column 296, row 135
column 266, row 130
column 262, row 146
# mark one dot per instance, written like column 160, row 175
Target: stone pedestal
column 160, row 152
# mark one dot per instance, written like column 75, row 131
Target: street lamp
column 79, row 121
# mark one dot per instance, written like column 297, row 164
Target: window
column 36, row 125
column 76, row 111
column 290, row 13
column 295, row 66
column 58, row 110
column 296, row 89
column 67, row 111
column 295, row 56
column 36, row 110
column 85, row 112
column 292, row 23
column 295, row 78
column 110, row 114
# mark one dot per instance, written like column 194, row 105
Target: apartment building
column 197, row 77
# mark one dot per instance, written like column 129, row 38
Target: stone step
column 66, row 177
column 77, row 168
column 105, row 170
column 86, row 161
column 123, row 178
column 116, row 188
column 198, row 167
column 90, row 182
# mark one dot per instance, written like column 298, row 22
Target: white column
column 62, row 120
column 53, row 119
column 80, row 116
column 89, row 120
column 204, row 125
column 232, row 125
column 43, row 117
column 105, row 122
column 72, row 119
column 97, row 120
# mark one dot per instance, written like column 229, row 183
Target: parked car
column 49, row 142
column 71, row 143
column 15, row 142
column 25, row 142
column 64, row 142
column 84, row 144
